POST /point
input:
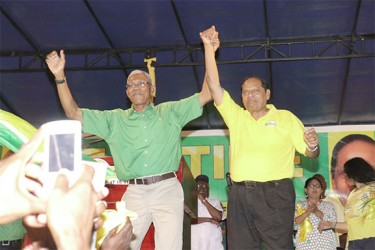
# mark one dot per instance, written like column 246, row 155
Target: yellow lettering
column 195, row 153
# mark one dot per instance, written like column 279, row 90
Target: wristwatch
column 60, row 81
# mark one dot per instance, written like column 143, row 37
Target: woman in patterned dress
column 309, row 212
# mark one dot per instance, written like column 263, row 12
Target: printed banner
column 207, row 152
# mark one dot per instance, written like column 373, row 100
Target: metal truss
column 322, row 48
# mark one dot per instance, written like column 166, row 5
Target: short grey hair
column 137, row 71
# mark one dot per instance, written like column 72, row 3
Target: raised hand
column 71, row 211
column 20, row 179
column 210, row 37
column 56, row 64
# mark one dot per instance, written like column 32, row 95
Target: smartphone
column 62, row 150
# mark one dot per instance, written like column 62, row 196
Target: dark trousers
column 261, row 213
column 362, row 244
column 11, row 245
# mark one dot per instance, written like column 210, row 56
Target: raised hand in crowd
column 19, row 181
column 72, row 214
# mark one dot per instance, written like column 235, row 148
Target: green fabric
column 14, row 131
column 12, row 231
column 145, row 143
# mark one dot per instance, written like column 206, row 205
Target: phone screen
column 61, row 152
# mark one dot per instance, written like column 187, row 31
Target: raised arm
column 56, row 65
column 210, row 39
column 205, row 94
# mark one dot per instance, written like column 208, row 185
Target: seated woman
column 309, row 212
column 360, row 207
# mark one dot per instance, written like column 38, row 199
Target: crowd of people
column 146, row 147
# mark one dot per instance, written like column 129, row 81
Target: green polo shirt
column 264, row 149
column 143, row 143
column 12, row 231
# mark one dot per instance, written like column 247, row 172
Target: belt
column 152, row 179
column 11, row 242
column 258, row 183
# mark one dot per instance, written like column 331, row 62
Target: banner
column 207, row 152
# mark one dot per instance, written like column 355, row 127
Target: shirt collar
column 150, row 108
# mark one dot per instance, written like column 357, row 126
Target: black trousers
column 11, row 245
column 362, row 244
column 261, row 213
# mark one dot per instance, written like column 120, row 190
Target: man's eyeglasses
column 201, row 186
column 314, row 186
column 136, row 83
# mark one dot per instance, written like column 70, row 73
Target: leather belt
column 11, row 242
column 152, row 179
column 257, row 183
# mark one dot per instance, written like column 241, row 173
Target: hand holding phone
column 62, row 150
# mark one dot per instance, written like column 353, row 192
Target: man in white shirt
column 206, row 233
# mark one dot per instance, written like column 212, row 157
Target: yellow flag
column 151, row 71
column 306, row 225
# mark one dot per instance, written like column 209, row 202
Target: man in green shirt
column 146, row 147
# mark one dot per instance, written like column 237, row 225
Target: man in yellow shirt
column 263, row 141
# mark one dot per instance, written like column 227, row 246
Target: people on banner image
column 309, row 212
column 348, row 147
column 206, row 232
column 360, row 206
column 145, row 144
column 263, row 142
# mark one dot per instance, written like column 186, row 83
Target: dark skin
column 42, row 238
column 203, row 192
column 119, row 240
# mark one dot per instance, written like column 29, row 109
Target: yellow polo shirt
column 261, row 150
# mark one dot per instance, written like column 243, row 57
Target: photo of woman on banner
column 349, row 147
column 359, row 208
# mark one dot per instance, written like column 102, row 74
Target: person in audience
column 340, row 235
column 12, row 233
column 118, row 240
column 350, row 146
column 309, row 212
column 206, row 231
column 68, row 212
column 360, row 206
